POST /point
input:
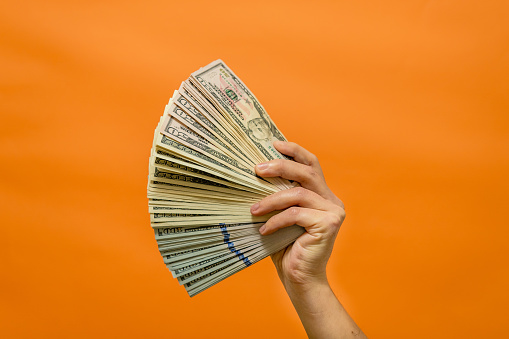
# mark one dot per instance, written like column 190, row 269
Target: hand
column 302, row 265
column 312, row 206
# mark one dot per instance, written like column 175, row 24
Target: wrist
column 306, row 285
column 320, row 312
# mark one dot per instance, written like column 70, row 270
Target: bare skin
column 302, row 265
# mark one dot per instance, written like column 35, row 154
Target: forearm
column 302, row 265
column 320, row 312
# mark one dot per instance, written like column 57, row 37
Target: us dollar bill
column 202, row 183
column 189, row 105
column 230, row 96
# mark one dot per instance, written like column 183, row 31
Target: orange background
column 404, row 102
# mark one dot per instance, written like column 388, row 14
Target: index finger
column 298, row 153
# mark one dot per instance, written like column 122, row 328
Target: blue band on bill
column 231, row 246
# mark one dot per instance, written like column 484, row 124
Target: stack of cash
column 202, row 181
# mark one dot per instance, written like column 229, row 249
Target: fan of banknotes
column 202, row 182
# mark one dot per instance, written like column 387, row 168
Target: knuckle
column 278, row 166
column 335, row 221
column 311, row 174
column 313, row 158
column 300, row 192
column 342, row 215
column 340, row 212
column 336, row 201
column 294, row 211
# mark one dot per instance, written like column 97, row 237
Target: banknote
column 202, row 180
column 229, row 94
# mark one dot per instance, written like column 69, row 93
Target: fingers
column 316, row 222
column 303, row 207
column 297, row 196
column 306, row 175
column 298, row 153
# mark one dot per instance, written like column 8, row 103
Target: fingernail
column 263, row 166
column 255, row 207
column 262, row 229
